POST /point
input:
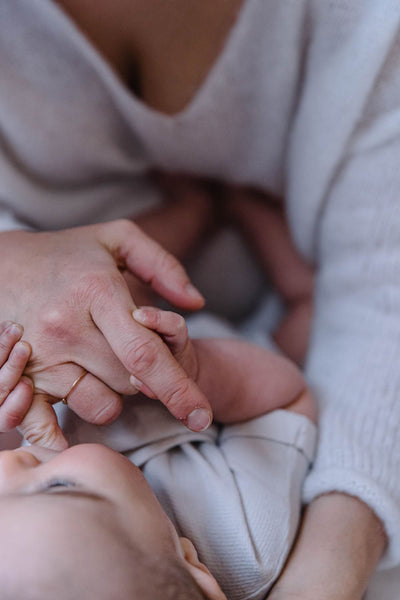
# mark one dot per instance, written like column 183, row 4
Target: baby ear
column 202, row 576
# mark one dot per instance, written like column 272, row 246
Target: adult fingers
column 142, row 256
column 148, row 359
column 16, row 405
column 40, row 425
column 94, row 401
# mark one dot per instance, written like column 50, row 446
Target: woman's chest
column 72, row 124
column 161, row 50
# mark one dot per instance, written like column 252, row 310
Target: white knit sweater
column 304, row 102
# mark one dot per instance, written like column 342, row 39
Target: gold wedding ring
column 74, row 385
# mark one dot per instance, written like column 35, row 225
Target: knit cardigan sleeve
column 354, row 360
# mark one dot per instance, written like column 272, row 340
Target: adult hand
column 339, row 545
column 67, row 289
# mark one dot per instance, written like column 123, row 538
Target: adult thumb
column 40, row 425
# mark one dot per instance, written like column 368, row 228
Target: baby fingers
column 173, row 330
column 16, row 405
column 171, row 326
column 15, row 391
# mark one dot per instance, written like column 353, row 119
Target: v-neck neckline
column 111, row 77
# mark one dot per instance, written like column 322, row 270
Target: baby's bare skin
column 263, row 223
column 16, row 391
column 240, row 380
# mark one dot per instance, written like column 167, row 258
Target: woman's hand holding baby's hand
column 240, row 380
column 16, row 391
column 67, row 289
column 173, row 330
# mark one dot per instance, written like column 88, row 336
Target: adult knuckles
column 63, row 320
column 56, row 322
column 95, row 287
column 177, row 397
column 142, row 355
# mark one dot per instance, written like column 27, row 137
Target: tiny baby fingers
column 16, row 405
column 171, row 326
column 40, row 425
column 173, row 330
column 12, row 369
column 10, row 333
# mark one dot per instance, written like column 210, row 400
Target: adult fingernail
column 194, row 292
column 144, row 314
column 199, row 420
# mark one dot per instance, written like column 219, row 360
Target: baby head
column 84, row 523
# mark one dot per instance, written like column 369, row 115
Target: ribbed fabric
column 235, row 492
column 303, row 102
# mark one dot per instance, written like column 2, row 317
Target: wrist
column 338, row 548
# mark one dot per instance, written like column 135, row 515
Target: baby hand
column 16, row 391
column 173, row 330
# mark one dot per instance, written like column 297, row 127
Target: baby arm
column 264, row 225
column 15, row 390
column 240, row 380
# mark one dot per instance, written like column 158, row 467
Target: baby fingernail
column 199, row 420
column 140, row 315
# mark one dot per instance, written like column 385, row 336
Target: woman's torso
column 160, row 50
column 74, row 134
column 269, row 108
